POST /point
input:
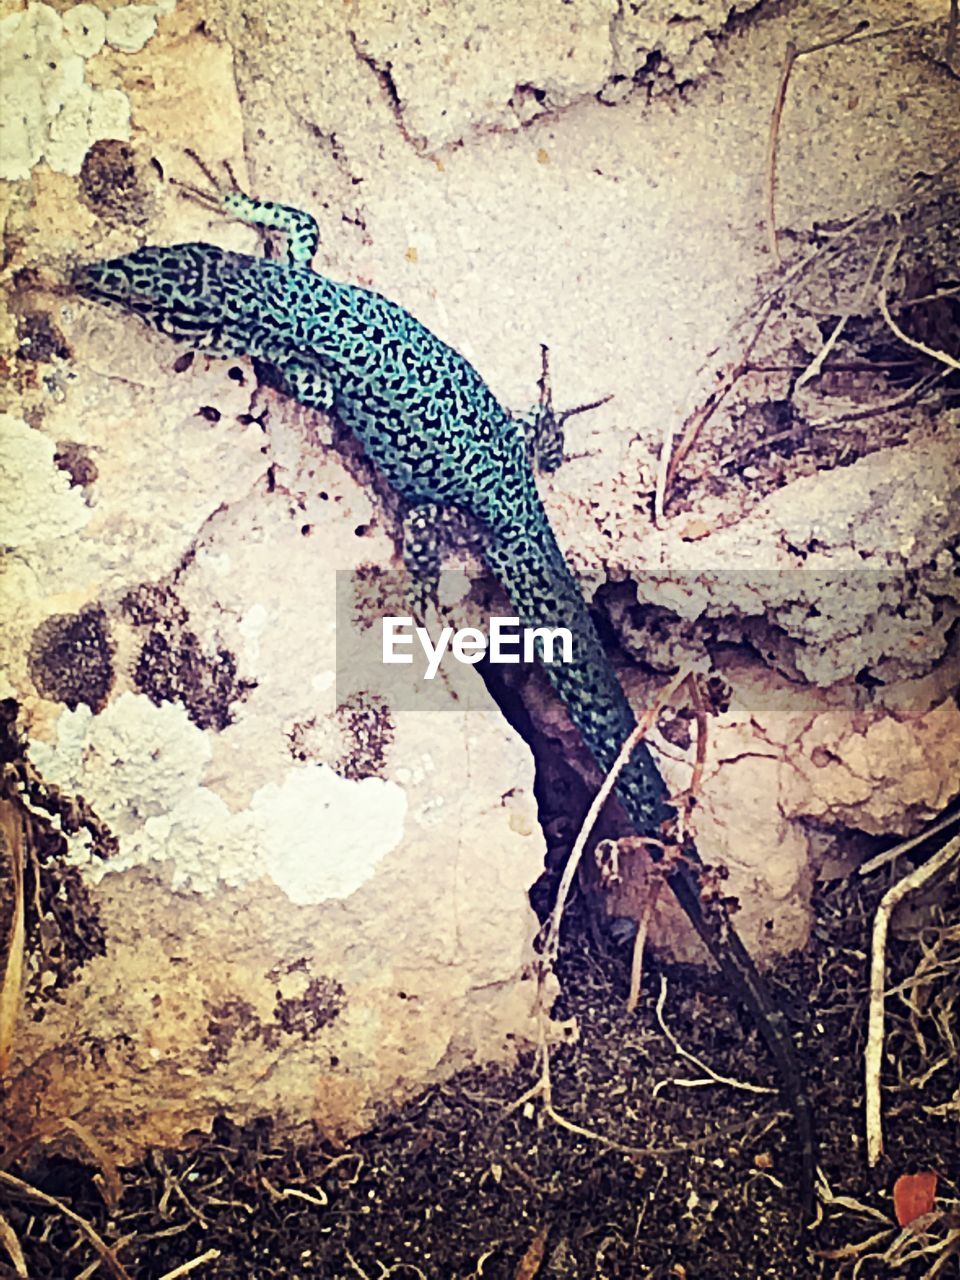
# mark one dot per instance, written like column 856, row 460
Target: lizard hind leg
column 301, row 229
column 543, row 427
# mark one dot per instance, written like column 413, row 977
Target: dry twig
column 942, row 357
column 640, row 944
column 671, row 459
column 543, row 1088
column 8, row 1238
column 791, row 55
column 889, row 855
column 873, row 1055
column 13, row 841
column 643, row 727
column 711, row 1076
column 815, row 367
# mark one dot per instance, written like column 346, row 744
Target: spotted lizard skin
column 425, row 417
column 434, row 429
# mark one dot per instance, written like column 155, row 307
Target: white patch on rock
column 251, row 626
column 132, row 762
column 325, row 835
column 84, row 29
column 38, row 503
column 47, row 109
column 140, row 766
column 207, row 844
column 129, row 28
column 317, row 835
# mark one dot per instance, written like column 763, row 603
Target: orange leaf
column 529, row 1264
column 913, row 1195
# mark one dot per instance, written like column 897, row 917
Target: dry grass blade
column 711, row 1076
column 791, row 54
column 114, row 1268
column 932, row 353
column 890, row 855
column 8, row 1238
column 646, row 721
column 86, row 1148
column 11, row 927
column 529, row 1265
column 108, row 1178
column 186, row 1267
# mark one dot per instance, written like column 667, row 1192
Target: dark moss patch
column 231, row 1021
column 354, row 742
column 319, row 1005
column 68, row 928
column 76, row 460
column 173, row 665
column 71, row 658
column 62, row 929
column 369, row 732
column 116, row 185
column 40, row 339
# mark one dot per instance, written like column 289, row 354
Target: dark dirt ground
column 701, row 1186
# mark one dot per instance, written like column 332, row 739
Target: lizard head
column 178, row 290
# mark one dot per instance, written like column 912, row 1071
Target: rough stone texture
column 316, row 905
column 830, row 577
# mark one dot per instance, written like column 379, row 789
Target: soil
column 674, row 1182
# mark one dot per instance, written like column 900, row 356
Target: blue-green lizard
column 429, row 422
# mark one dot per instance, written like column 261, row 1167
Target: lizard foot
column 543, row 427
column 300, row 228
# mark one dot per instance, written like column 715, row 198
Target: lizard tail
column 534, row 573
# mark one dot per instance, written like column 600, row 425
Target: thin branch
column 919, row 388
column 791, row 54
column 640, row 731
column 888, row 855
column 672, row 459
column 789, row 58
column 802, row 429
column 713, row 1077
column 815, row 366
column 942, row 357
column 8, row 1238
column 640, row 943
column 938, row 296
column 543, row 1088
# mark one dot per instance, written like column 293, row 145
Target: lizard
column 430, row 424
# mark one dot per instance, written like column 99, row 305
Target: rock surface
column 298, row 902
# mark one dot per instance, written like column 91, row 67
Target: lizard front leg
column 304, row 377
column 421, row 556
